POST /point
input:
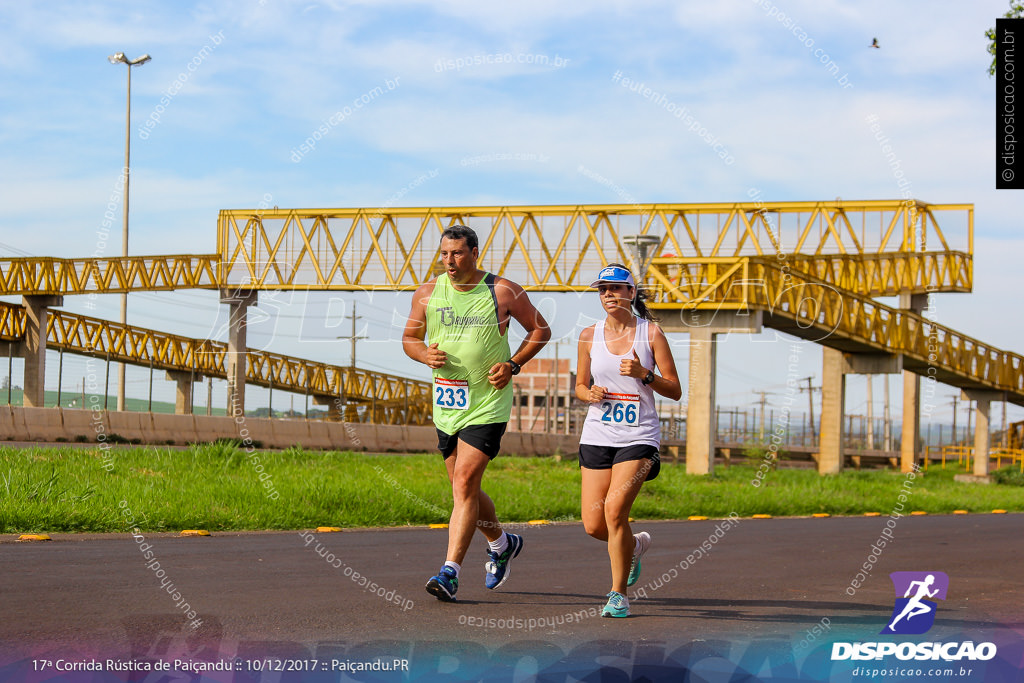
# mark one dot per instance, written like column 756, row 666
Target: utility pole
column 956, row 441
column 968, row 439
column 1006, row 442
column 764, row 399
column 558, row 380
column 352, row 336
column 569, row 392
column 871, row 415
column 887, row 427
column 519, row 407
column 810, row 402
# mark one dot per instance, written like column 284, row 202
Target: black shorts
column 486, row 438
column 603, row 457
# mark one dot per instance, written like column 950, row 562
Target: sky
column 496, row 103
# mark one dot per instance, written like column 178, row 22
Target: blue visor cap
column 613, row 275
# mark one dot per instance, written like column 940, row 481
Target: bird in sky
column 874, row 43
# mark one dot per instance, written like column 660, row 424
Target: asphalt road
column 765, row 597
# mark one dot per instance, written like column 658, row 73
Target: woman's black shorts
column 603, row 457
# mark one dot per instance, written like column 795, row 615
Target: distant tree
column 7, row 382
column 1016, row 12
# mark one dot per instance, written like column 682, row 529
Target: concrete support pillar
column 334, row 407
column 869, row 364
column 700, row 408
column 703, row 328
column 239, row 302
column 910, row 443
column 833, row 403
column 183, row 396
column 982, row 404
column 34, row 347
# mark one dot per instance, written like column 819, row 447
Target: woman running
column 621, row 434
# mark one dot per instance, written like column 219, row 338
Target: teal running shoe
column 618, row 606
column 643, row 542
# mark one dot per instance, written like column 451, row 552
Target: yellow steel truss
column 890, row 274
column 44, row 275
column 717, row 282
column 814, row 309
column 1015, row 435
column 870, row 247
column 557, row 248
column 810, row 266
column 385, row 398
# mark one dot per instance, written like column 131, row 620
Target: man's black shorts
column 486, row 438
column 603, row 457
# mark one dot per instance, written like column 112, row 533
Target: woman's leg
column 593, row 488
column 623, row 487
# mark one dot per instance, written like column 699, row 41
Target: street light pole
column 119, row 58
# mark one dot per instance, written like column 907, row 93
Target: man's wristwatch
column 649, row 378
column 516, row 367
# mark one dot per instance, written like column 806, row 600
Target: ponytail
column 641, row 308
column 639, row 297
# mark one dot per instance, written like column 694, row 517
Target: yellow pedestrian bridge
column 810, row 269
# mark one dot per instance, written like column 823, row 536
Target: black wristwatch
column 516, row 367
column 649, row 378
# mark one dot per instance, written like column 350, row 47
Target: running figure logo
column 913, row 612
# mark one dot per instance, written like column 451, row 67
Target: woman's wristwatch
column 516, row 367
column 649, row 378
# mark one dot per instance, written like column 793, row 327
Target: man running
column 464, row 313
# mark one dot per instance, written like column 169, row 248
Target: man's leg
column 487, row 519
column 472, row 507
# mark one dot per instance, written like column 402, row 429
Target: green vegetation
column 219, row 487
column 1009, row 476
column 1016, row 11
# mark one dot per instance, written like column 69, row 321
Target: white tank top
column 626, row 416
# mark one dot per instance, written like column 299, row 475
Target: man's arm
column 416, row 331
column 513, row 299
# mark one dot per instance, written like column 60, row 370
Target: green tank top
column 465, row 326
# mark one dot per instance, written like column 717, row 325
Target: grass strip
column 222, row 487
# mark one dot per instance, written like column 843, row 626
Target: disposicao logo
column 913, row 614
column 914, row 611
